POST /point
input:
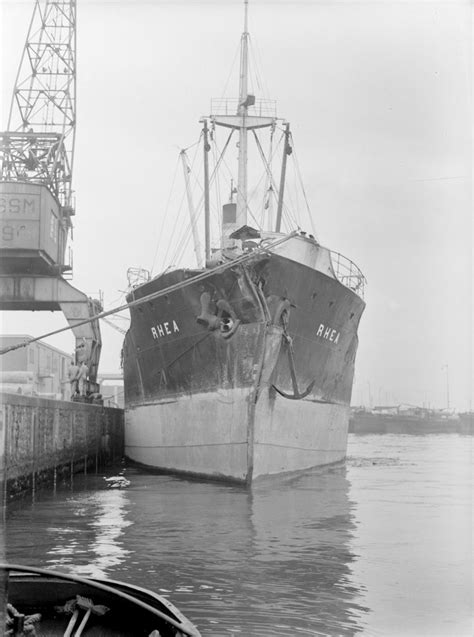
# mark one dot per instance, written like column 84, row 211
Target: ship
column 242, row 367
column 400, row 419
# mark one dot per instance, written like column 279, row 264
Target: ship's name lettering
column 164, row 329
column 326, row 332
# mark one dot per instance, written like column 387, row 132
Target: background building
column 36, row 369
column 111, row 388
column 39, row 369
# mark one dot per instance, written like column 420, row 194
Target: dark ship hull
column 243, row 371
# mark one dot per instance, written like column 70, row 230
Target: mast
column 241, row 218
column 224, row 113
column 286, row 152
column 192, row 211
column 207, row 232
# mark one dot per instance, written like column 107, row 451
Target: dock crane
column 36, row 197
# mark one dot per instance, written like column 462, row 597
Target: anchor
column 297, row 395
column 225, row 320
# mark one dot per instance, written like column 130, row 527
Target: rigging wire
column 182, row 243
column 266, row 162
column 256, row 59
column 185, row 237
column 218, row 207
column 290, row 218
column 121, row 317
column 181, row 249
column 165, row 215
column 297, row 195
column 196, row 143
column 268, row 183
column 117, row 298
column 237, row 53
column 248, row 256
column 255, row 189
column 311, row 220
column 290, row 211
column 173, row 232
column 215, row 176
column 249, row 210
column 177, row 217
column 193, row 223
column 253, row 68
column 188, row 226
column 184, row 240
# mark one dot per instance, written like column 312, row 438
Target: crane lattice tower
column 36, row 198
column 39, row 144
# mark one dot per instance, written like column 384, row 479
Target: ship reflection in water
column 301, row 556
column 340, row 551
column 270, row 561
column 95, row 543
column 82, row 533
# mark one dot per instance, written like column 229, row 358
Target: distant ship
column 243, row 367
column 415, row 420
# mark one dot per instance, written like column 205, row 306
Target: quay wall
column 43, row 441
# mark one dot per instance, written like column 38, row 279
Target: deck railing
column 348, row 273
column 230, row 106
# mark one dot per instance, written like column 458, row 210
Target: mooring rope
column 155, row 295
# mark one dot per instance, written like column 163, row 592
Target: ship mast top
column 244, row 47
column 241, row 217
column 242, row 114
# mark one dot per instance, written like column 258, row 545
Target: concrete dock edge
column 43, row 441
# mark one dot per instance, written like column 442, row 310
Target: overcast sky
column 379, row 98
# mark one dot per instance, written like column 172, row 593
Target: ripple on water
column 330, row 552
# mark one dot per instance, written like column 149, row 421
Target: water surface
column 382, row 546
